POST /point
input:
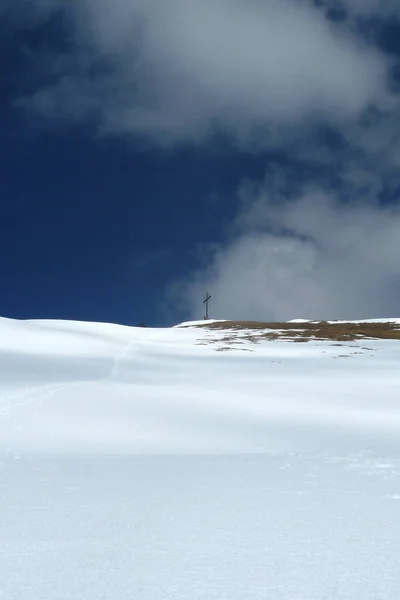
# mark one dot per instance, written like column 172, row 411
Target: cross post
column 205, row 302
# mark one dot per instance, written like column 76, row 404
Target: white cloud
column 312, row 256
column 177, row 70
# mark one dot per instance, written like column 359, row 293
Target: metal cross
column 206, row 301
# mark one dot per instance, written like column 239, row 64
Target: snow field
column 155, row 464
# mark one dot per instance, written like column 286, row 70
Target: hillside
column 211, row 460
column 99, row 387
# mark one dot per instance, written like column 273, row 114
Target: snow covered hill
column 75, row 387
column 197, row 462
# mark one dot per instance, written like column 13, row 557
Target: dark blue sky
column 96, row 227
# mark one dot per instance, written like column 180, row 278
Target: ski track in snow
column 16, row 401
column 123, row 356
column 9, row 403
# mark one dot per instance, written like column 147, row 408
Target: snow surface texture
column 153, row 464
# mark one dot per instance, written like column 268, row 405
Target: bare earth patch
column 254, row 331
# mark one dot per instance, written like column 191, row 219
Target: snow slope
column 156, row 464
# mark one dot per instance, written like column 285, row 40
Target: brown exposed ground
column 303, row 332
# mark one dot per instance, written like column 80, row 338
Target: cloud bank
column 308, row 256
column 179, row 70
